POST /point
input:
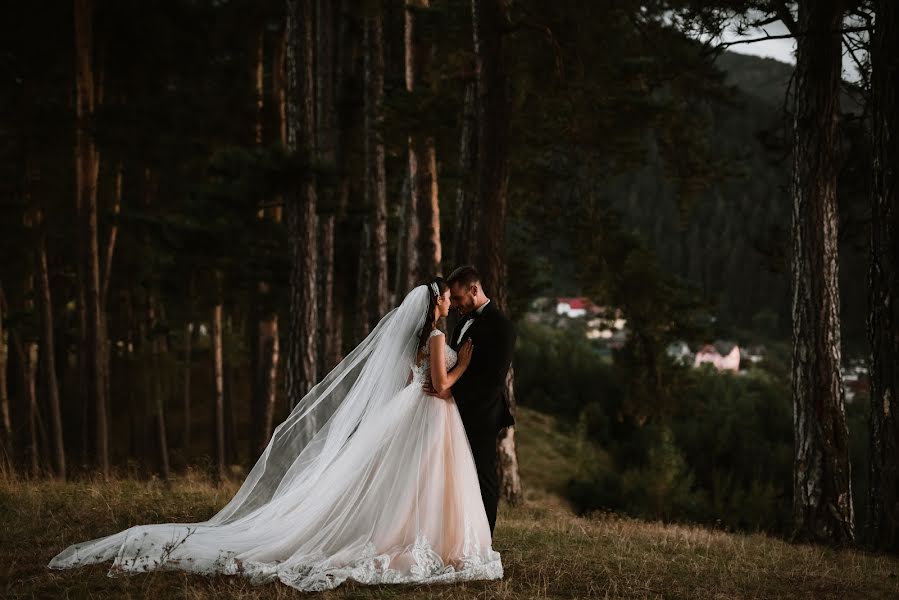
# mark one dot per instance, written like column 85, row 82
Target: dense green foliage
column 722, row 455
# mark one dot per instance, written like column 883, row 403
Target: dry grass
column 547, row 551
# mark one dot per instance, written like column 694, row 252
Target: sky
column 781, row 50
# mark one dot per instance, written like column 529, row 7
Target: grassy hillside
column 547, row 551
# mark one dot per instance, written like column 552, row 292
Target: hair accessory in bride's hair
column 435, row 289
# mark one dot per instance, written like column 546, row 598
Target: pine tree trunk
column 363, row 283
column 466, row 234
column 28, row 358
column 159, row 409
column 218, row 374
column 347, row 49
column 411, row 264
column 401, row 285
column 822, row 493
column 188, row 364
column 425, row 261
column 86, row 173
column 157, row 402
column 105, row 283
column 49, row 362
column 883, row 283
column 231, row 454
column 423, row 178
column 272, row 354
column 328, row 337
column 325, row 89
column 279, row 96
column 300, row 203
column 6, row 442
column 113, row 236
column 265, row 344
column 375, row 176
column 258, row 76
column 327, row 138
column 489, row 21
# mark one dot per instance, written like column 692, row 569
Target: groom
column 479, row 392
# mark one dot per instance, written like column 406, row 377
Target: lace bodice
column 422, row 372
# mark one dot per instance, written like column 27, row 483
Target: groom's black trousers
column 483, row 448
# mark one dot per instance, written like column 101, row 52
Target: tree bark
column 272, row 353
column 493, row 113
column 188, row 364
column 28, row 357
column 86, row 173
column 466, row 234
column 375, row 175
column 883, row 283
column 155, row 386
column 279, row 94
column 822, row 493
column 218, row 374
column 265, row 353
column 231, row 454
column 424, row 199
column 49, row 361
column 328, row 337
column 401, row 283
column 6, row 443
column 327, row 142
column 347, row 49
column 363, row 282
column 113, row 236
column 300, row 203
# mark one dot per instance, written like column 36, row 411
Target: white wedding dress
column 369, row 479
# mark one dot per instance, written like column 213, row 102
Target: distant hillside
column 764, row 79
column 731, row 240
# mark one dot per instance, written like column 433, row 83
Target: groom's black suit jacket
column 479, row 393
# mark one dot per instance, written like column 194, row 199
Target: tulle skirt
column 400, row 504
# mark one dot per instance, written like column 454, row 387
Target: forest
column 206, row 204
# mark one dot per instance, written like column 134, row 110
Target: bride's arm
column 440, row 379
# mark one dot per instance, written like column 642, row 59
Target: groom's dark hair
column 464, row 276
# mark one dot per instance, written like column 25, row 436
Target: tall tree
column 402, row 281
column 424, row 199
column 51, row 387
column 28, row 350
column 326, row 57
column 265, row 354
column 362, row 296
column 87, row 164
column 218, row 375
column 883, row 281
column 155, row 383
column 822, row 493
column 490, row 20
column 6, row 442
column 466, row 224
column 188, row 364
column 375, row 176
column 300, row 202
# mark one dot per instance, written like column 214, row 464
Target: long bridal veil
column 294, row 504
column 316, row 431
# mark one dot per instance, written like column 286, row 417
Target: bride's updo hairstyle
column 436, row 288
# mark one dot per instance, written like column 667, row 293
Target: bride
column 368, row 479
